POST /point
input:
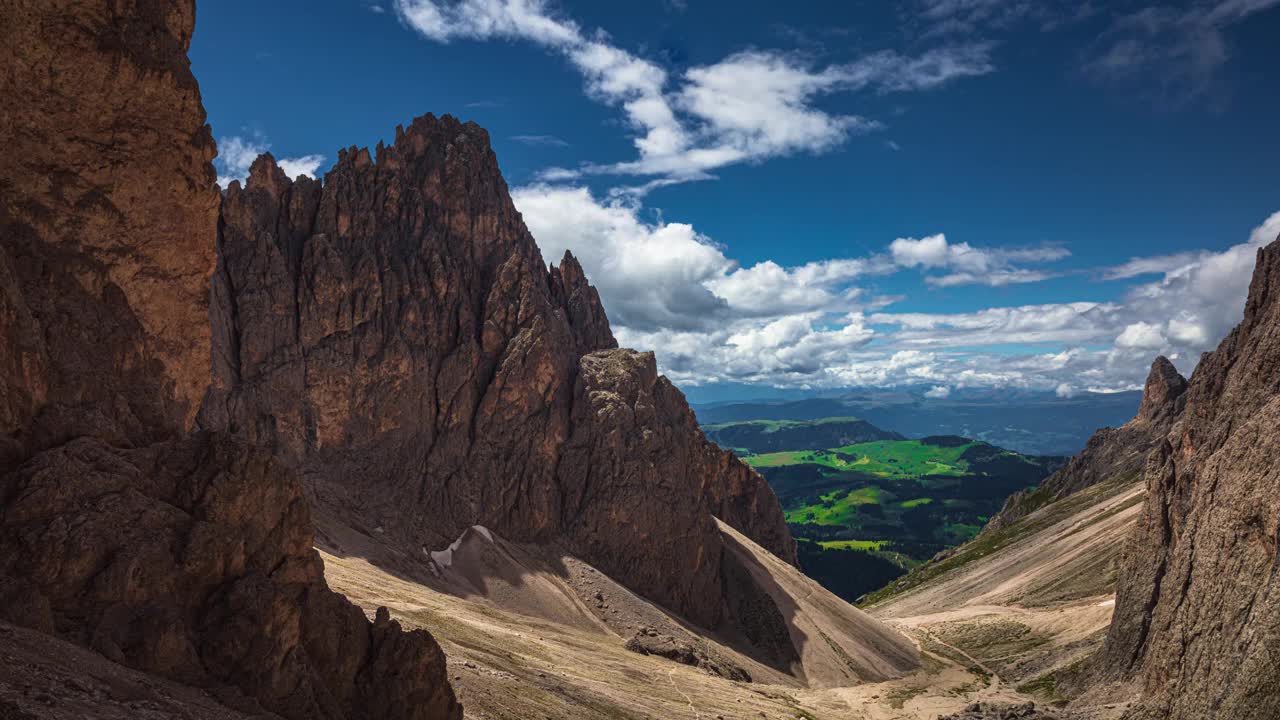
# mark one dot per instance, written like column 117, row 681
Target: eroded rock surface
column 187, row 556
column 1197, row 618
column 193, row 560
column 396, row 334
column 1112, row 453
column 108, row 218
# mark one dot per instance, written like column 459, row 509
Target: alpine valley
column 349, row 448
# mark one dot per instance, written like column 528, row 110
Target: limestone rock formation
column 1112, row 453
column 1197, row 618
column 187, row 556
column 396, row 334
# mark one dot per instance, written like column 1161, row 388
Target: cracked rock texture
column 187, row 556
column 1197, row 618
column 1111, row 452
column 396, row 334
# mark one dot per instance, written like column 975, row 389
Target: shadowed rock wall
column 184, row 555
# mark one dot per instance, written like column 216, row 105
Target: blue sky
column 944, row 192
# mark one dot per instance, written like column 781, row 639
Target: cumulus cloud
column 970, row 265
column 236, row 154
column 747, row 107
column 669, row 288
column 1187, row 311
column 665, row 275
column 1142, row 335
column 938, row 392
column 308, row 165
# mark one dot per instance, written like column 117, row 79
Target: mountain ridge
column 1110, row 452
column 395, row 334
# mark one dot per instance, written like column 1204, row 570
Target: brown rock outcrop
column 1111, row 453
column 108, row 217
column 1197, row 618
column 396, row 334
column 185, row 556
column 193, row 560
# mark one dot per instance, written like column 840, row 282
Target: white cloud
column 971, row 265
column 612, row 75
column 1070, row 323
column 669, row 288
column 660, row 275
column 938, row 392
column 993, row 278
column 1155, row 265
column 932, row 251
column 236, row 154
column 747, row 107
column 1064, row 390
column 308, row 165
column 1142, row 335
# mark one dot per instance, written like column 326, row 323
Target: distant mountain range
column 1031, row 422
column 764, row 436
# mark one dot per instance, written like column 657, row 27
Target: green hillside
column 868, row 512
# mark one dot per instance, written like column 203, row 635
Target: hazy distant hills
column 764, row 436
column 1038, row 423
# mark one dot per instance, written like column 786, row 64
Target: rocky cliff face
column 192, row 559
column 183, row 555
column 1112, row 453
column 1197, row 617
column 104, row 270
column 396, row 334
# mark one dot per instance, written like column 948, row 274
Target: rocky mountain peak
column 395, row 334
column 266, row 175
column 1163, row 394
column 581, row 302
column 1111, row 453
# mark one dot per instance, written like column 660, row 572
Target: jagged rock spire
column 1163, row 394
column 581, row 303
column 396, row 333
